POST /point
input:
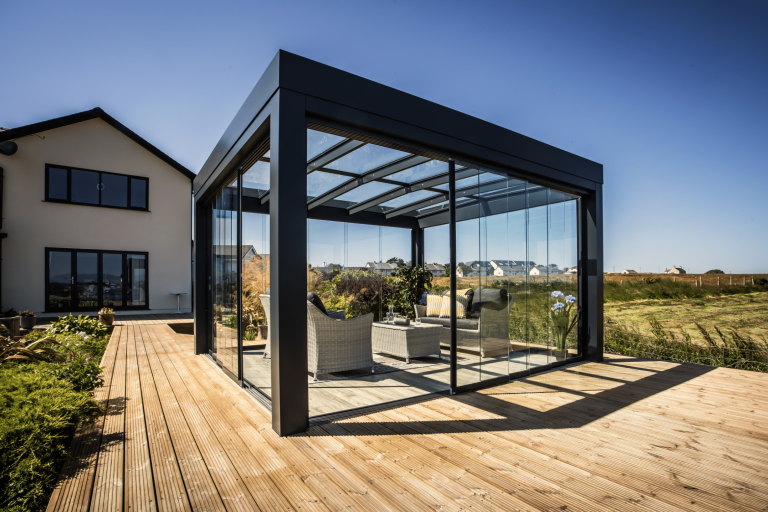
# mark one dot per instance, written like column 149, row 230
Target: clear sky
column 671, row 97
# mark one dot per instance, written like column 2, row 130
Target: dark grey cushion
column 315, row 300
column 461, row 323
column 493, row 298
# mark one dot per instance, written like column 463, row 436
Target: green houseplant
column 412, row 282
column 107, row 316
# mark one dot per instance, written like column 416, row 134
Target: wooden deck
column 626, row 434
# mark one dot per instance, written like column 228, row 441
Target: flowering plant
column 562, row 321
column 106, row 311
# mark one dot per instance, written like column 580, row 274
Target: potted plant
column 27, row 319
column 107, row 316
column 562, row 320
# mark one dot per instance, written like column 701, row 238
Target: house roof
column 96, row 113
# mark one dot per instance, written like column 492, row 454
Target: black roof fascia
column 337, row 98
column 96, row 113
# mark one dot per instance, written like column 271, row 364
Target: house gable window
column 95, row 188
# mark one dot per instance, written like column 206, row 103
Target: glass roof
column 408, row 199
column 317, row 142
column 425, row 170
column 365, row 158
column 367, row 191
column 257, row 176
column 471, row 181
column 320, row 182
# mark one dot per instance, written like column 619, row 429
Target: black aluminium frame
column 295, row 92
column 100, row 268
column 69, row 188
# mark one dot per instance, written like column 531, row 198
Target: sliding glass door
column 87, row 280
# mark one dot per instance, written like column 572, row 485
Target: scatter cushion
column 461, row 307
column 434, row 302
column 492, row 298
column 315, row 300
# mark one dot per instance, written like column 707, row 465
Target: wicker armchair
column 490, row 338
column 334, row 344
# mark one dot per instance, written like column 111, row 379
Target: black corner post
column 417, row 247
column 452, row 237
column 591, row 273
column 288, row 261
column 239, row 252
column 202, row 278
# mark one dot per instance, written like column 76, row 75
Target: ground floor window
column 87, row 280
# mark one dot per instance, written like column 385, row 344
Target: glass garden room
column 338, row 187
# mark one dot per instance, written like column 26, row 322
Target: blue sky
column 671, row 97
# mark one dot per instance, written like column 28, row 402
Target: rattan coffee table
column 407, row 341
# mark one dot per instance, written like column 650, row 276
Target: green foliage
column 731, row 350
column 250, row 333
column 90, row 326
column 411, row 283
column 665, row 289
column 714, row 271
column 26, row 313
column 761, row 281
column 83, row 375
column 38, row 414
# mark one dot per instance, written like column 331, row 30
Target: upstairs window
column 95, row 188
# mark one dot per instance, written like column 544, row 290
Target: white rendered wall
column 31, row 224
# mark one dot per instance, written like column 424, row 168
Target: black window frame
column 100, row 270
column 69, row 169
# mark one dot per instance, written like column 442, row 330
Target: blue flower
column 570, row 299
column 557, row 295
column 558, row 307
column 423, row 300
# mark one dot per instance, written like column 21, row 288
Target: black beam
column 239, row 253
column 376, row 174
column 452, row 270
column 590, row 242
column 202, row 280
column 333, row 153
column 288, row 284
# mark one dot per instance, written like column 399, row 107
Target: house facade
column 674, row 270
column 93, row 216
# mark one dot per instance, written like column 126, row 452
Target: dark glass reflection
column 85, row 187
column 87, row 280
column 57, row 183
column 136, row 280
column 59, row 279
column 112, row 280
column 114, row 190
column 138, row 193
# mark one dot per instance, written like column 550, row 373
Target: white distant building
column 436, row 269
column 572, row 270
column 628, row 271
column 674, row 270
column 382, row 268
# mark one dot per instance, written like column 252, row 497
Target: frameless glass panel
column 562, row 276
column 256, row 359
column 367, row 191
column 539, row 337
column 85, row 186
column 57, row 183
column 515, row 273
column 470, row 182
column 366, row 158
column 425, row 170
column 320, row 182
column 317, row 142
column 408, row 199
column 114, row 190
column 136, row 282
column 87, row 264
column 112, row 280
column 59, row 279
column 138, row 193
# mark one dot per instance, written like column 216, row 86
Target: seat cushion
column 315, row 300
column 461, row 323
column 492, row 298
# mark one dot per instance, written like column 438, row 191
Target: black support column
column 288, row 260
column 452, row 237
column 202, row 280
column 590, row 242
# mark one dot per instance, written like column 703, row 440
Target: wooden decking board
column 629, row 434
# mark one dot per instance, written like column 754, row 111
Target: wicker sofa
column 334, row 344
column 488, row 334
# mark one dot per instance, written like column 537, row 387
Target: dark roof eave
column 96, row 113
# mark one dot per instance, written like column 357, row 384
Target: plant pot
column 107, row 319
column 263, row 331
column 27, row 322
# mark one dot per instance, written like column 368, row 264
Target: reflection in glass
column 365, row 158
column 57, row 183
column 138, row 193
column 367, row 191
column 87, row 275
column 256, row 359
column 85, row 186
column 319, row 182
column 425, row 170
column 408, row 199
column 112, row 280
column 59, row 279
column 114, row 190
column 317, row 142
column 136, row 283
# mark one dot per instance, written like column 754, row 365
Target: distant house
column 330, row 267
column 509, row 270
column 383, row 268
column 539, row 270
column 674, row 270
column 436, row 269
column 460, row 272
column 628, row 271
column 572, row 270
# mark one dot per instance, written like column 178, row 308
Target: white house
column 436, row 268
column 628, row 271
column 674, row 270
column 382, row 268
column 93, row 216
column 539, row 270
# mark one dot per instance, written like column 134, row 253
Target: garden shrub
column 85, row 324
column 38, row 415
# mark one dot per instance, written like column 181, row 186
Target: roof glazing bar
column 462, row 192
column 333, row 153
column 439, row 198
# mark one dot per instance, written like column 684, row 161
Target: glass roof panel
column 366, row 158
column 257, row 177
column 430, row 207
column 471, row 181
column 317, row 142
column 321, row 182
column 367, row 191
column 408, row 199
column 420, row 172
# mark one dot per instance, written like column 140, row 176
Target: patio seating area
column 625, row 434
